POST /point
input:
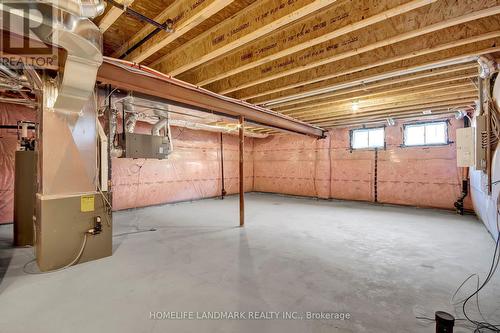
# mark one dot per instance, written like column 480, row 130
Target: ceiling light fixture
column 355, row 105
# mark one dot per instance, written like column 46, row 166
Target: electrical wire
column 482, row 326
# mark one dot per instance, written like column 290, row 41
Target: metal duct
column 162, row 122
column 60, row 23
column 128, row 105
column 82, row 8
column 9, row 72
column 213, row 128
column 155, row 130
column 113, row 124
column 487, row 66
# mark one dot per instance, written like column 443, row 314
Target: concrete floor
column 382, row 265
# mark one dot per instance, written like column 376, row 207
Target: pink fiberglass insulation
column 192, row 171
column 416, row 176
column 292, row 164
column 284, row 163
column 352, row 171
column 9, row 115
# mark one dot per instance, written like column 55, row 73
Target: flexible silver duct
column 113, row 124
column 155, row 130
column 163, row 122
column 128, row 105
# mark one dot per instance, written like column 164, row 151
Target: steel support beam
column 127, row 76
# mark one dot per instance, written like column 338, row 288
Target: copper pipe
column 242, row 178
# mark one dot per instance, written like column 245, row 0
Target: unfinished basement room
column 226, row 166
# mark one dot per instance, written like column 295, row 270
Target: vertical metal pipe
column 223, row 191
column 242, row 178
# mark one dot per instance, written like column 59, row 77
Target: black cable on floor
column 482, row 326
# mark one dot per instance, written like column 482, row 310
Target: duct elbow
column 158, row 126
column 487, row 66
column 92, row 9
column 131, row 121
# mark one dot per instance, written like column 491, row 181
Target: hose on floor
column 74, row 261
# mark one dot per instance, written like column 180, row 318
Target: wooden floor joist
column 315, row 61
column 185, row 14
column 420, row 29
column 403, row 115
column 340, row 19
column 413, row 48
column 387, row 110
column 112, row 15
column 375, row 105
column 255, row 21
column 456, row 54
column 405, row 91
column 424, row 77
column 363, row 119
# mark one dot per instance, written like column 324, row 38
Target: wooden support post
column 242, row 178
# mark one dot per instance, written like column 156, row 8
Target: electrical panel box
column 465, row 143
column 146, row 146
column 481, row 139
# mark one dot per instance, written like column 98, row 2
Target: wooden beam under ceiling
column 125, row 76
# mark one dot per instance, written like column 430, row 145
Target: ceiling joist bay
column 416, row 26
column 257, row 20
column 340, row 19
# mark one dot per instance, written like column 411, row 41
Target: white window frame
column 351, row 137
column 424, row 124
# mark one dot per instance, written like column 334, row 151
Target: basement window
column 426, row 134
column 367, row 138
